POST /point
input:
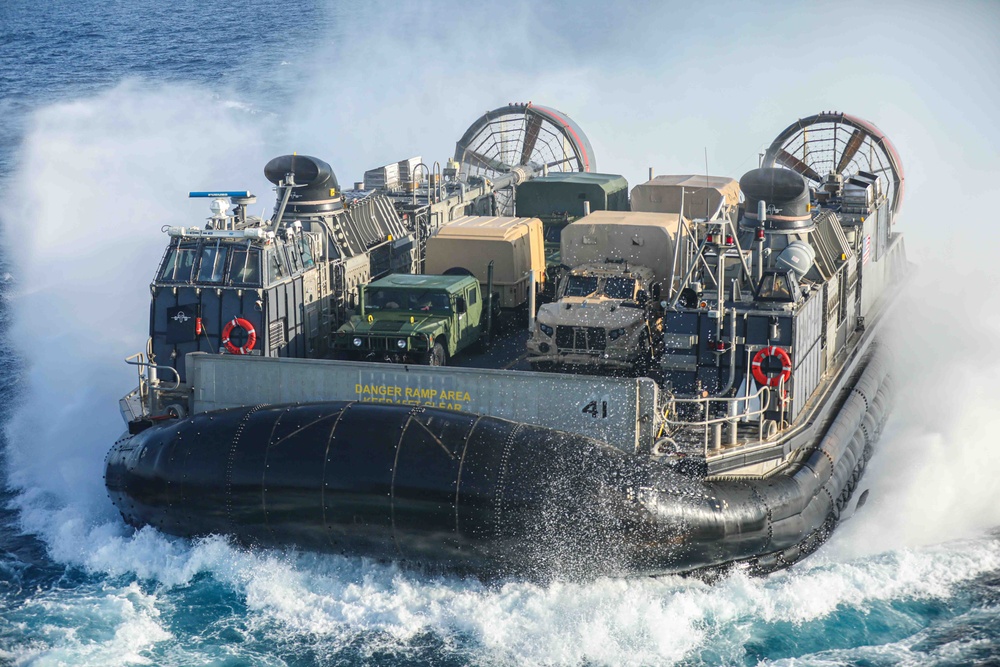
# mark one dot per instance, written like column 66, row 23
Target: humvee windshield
column 614, row 287
column 409, row 300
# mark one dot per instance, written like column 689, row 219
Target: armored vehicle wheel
column 522, row 135
column 437, row 356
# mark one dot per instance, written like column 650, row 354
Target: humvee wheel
column 437, row 356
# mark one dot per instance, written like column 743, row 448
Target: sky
column 660, row 84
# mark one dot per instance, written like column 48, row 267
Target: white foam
column 97, row 179
column 933, row 477
column 96, row 626
column 333, row 602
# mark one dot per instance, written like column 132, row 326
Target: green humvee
column 408, row 318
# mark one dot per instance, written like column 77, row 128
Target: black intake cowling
column 783, row 191
column 316, row 188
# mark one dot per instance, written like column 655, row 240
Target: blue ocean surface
column 110, row 111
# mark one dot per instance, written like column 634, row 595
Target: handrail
column 763, row 394
column 143, row 364
column 709, row 399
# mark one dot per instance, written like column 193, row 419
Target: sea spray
column 98, row 178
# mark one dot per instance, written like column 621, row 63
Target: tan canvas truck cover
column 641, row 238
column 514, row 245
column 702, row 195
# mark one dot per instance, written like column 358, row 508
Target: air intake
column 785, row 195
column 316, row 188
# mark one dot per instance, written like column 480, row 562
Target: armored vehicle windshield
column 613, row 287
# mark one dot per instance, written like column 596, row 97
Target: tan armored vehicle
column 608, row 316
column 514, row 245
column 701, row 197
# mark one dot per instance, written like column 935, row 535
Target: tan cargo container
column 645, row 239
column 514, row 245
column 703, row 195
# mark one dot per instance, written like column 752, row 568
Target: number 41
column 594, row 411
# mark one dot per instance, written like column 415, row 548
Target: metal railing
column 734, row 411
column 149, row 382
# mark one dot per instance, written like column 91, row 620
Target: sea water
column 111, row 111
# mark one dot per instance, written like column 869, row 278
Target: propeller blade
column 472, row 158
column 530, row 137
column 786, row 159
column 853, row 144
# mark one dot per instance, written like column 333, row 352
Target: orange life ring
column 772, row 380
column 251, row 336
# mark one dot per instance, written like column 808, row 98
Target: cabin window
column 306, row 247
column 294, row 261
column 245, row 267
column 620, row 288
column 775, row 287
column 275, row 272
column 581, row 285
column 473, row 297
column 179, row 263
column 213, row 263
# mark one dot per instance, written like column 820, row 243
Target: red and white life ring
column 251, row 336
column 763, row 378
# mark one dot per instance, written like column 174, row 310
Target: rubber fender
column 880, row 404
column 839, row 479
column 849, row 459
column 768, row 562
column 858, row 443
column 851, row 413
column 835, row 447
column 788, row 495
column 817, row 510
column 820, row 464
column 718, row 512
column 871, row 429
column 791, row 554
column 868, row 384
column 789, row 531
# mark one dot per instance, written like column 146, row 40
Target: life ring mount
column 231, row 348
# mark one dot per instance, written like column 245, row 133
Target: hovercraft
column 700, row 382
